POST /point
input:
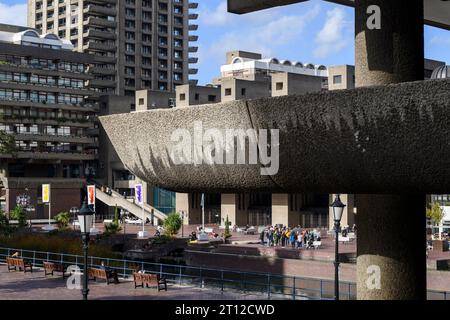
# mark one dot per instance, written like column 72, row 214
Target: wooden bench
column 107, row 275
column 14, row 263
column 149, row 279
column 51, row 267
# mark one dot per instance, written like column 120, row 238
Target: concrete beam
column 437, row 12
column 246, row 6
column 386, row 139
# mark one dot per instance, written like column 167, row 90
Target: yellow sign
column 45, row 193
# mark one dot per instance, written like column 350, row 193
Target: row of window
column 41, row 97
column 42, row 113
column 39, row 79
column 42, row 129
column 43, row 63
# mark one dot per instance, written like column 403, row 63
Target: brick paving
column 16, row 285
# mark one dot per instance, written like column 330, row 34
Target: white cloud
column 217, row 17
column 13, row 14
column 264, row 34
column 334, row 35
column 440, row 40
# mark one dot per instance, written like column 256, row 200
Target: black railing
column 226, row 280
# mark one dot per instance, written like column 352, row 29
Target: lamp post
column 74, row 212
column 338, row 209
column 85, row 218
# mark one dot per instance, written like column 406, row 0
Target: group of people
column 276, row 236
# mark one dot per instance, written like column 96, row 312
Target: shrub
column 5, row 228
column 55, row 242
column 113, row 227
column 172, row 224
column 18, row 213
column 62, row 219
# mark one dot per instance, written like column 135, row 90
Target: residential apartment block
column 47, row 107
column 138, row 44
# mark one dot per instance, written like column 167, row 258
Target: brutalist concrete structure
column 382, row 142
column 138, row 44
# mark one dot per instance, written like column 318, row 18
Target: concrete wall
column 289, row 83
column 189, row 95
column 237, row 89
column 149, row 99
column 347, row 76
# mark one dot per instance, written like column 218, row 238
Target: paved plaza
column 16, row 285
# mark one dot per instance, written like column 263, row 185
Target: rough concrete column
column 391, row 232
column 280, row 210
column 391, row 237
column 395, row 52
column 228, row 208
column 182, row 204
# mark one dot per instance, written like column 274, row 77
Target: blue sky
column 315, row 31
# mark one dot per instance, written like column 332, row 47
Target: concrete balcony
column 96, row 34
column 193, row 49
column 193, row 27
column 99, row 83
column 124, row 184
column 105, row 59
column 18, row 183
column 55, row 106
column 193, row 38
column 45, row 88
column 193, row 5
column 40, row 71
column 101, row 2
column 100, row 10
column 193, row 16
column 98, row 46
column 100, row 22
column 102, row 71
column 44, row 121
column 327, row 142
column 58, row 156
column 53, row 138
column 193, row 60
column 193, row 71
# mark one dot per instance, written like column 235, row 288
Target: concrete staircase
column 116, row 199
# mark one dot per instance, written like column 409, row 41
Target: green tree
column 227, row 233
column 18, row 213
column 62, row 219
column 172, row 224
column 7, row 143
column 435, row 214
column 5, row 229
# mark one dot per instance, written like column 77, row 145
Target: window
column 197, row 97
column 129, row 12
column 129, row 47
column 211, row 98
column 228, row 91
column 243, row 91
column 337, row 79
column 182, row 97
column 141, row 101
column 279, row 86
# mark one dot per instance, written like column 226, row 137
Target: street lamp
column 74, row 212
column 85, row 218
column 338, row 209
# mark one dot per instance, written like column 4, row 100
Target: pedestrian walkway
column 35, row 286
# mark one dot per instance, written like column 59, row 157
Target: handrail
column 268, row 284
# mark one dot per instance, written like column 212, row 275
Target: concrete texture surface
column 389, row 139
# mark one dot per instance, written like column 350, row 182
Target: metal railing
column 226, row 280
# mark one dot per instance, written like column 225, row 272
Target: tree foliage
column 113, row 227
column 62, row 219
column 7, row 143
column 18, row 213
column 172, row 224
column 435, row 213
